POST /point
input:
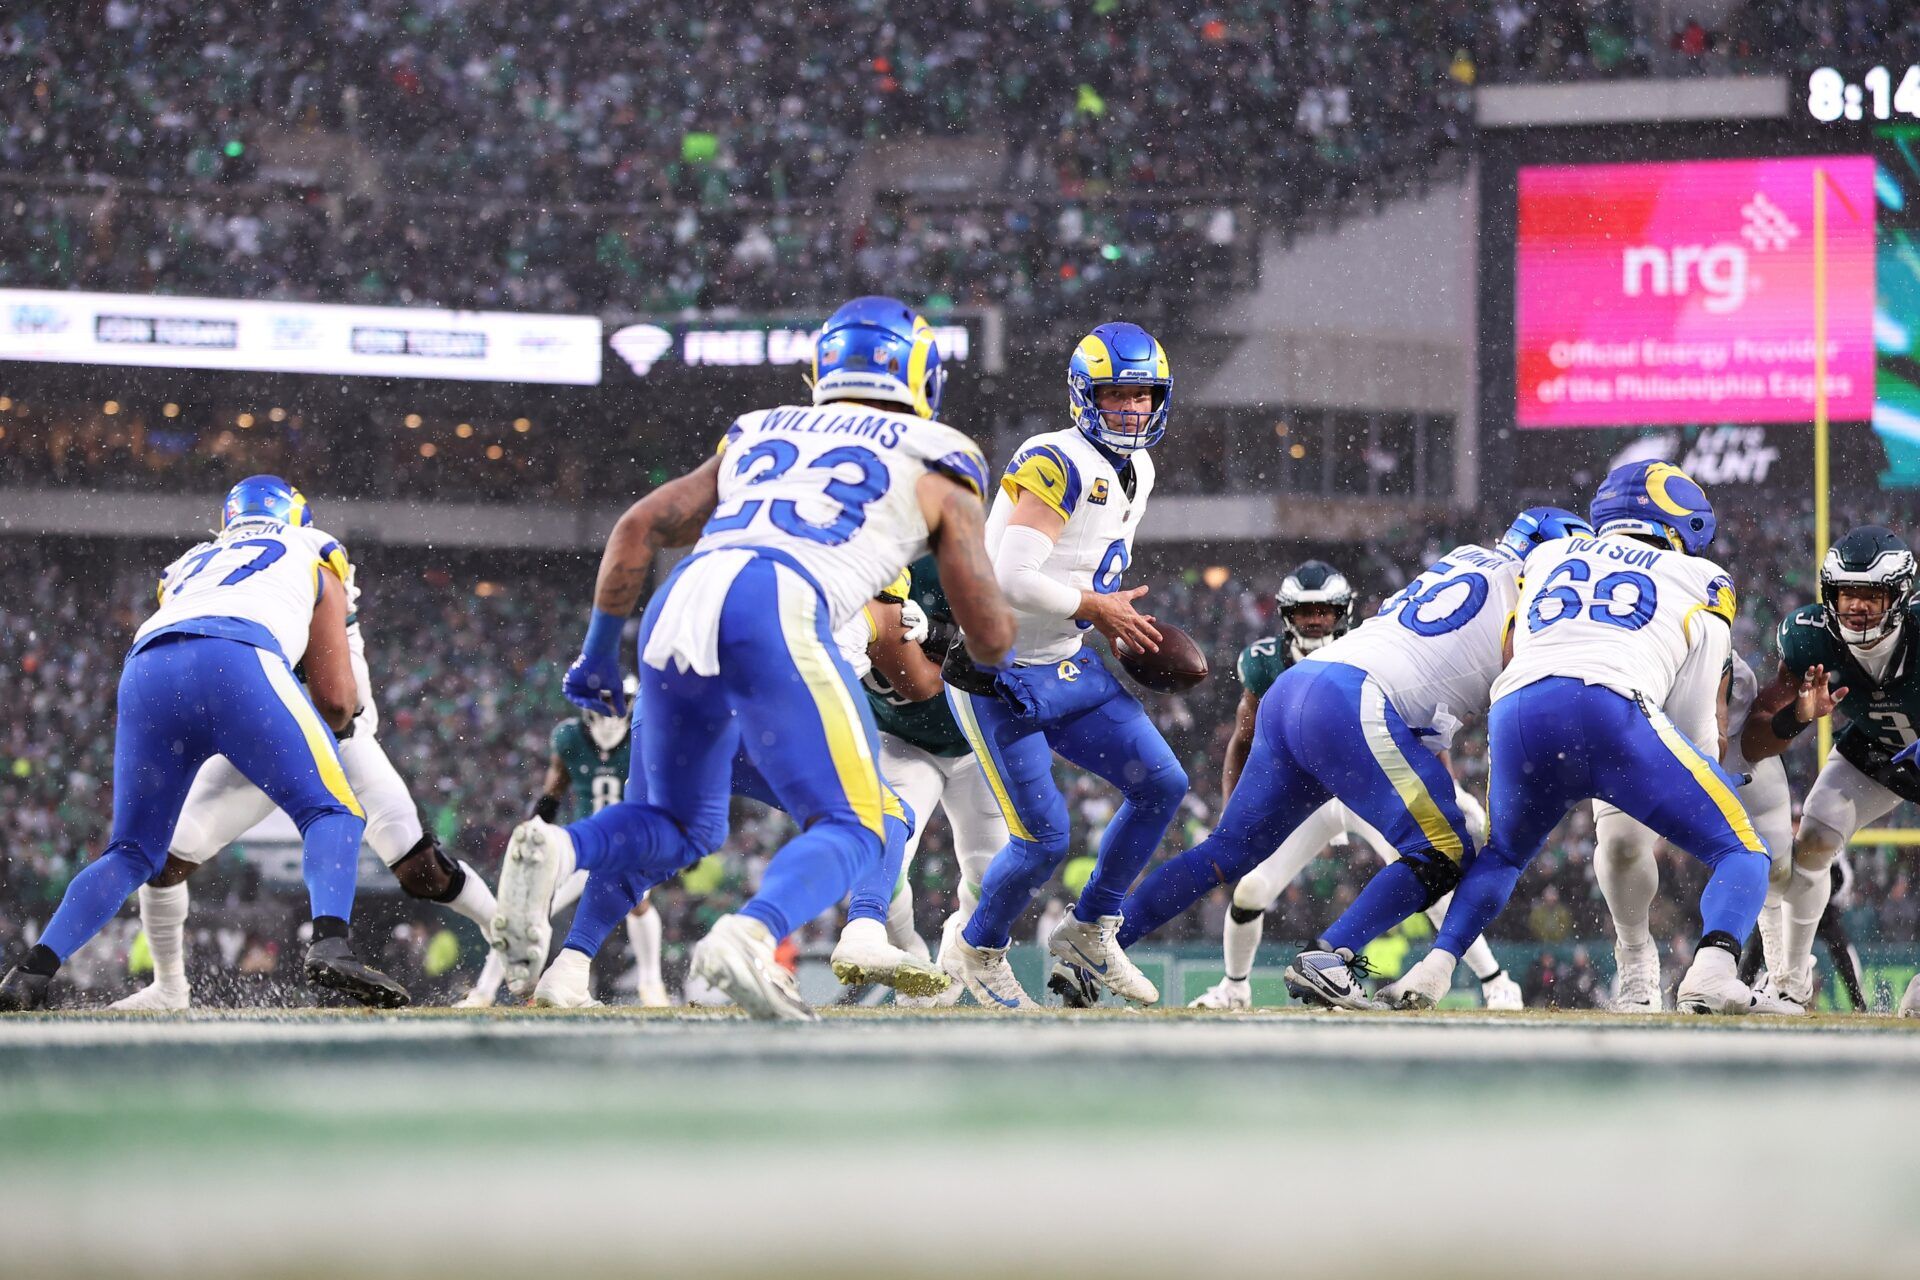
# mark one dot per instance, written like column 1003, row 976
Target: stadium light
column 413, row 422
column 110, row 408
column 522, row 425
column 169, row 410
column 464, row 430
column 245, row 420
column 428, row 449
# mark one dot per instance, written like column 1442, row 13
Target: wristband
column 1786, row 726
column 603, row 634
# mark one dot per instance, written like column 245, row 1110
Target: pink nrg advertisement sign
column 1682, row 293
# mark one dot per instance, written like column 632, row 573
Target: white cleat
column 156, row 999
column 1093, row 948
column 653, row 995
column 1423, row 986
column 539, row 856
column 736, row 957
column 951, row 996
column 1712, row 985
column 1501, row 993
column 1768, row 1000
column 1637, row 988
column 1329, row 979
column 567, row 983
column 984, row 971
column 864, row 955
column 1910, row 1002
column 486, row 988
column 1228, row 993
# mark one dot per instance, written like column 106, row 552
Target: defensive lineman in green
column 925, row 758
column 1316, row 606
column 1857, row 649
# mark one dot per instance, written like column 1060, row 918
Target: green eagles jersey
column 1881, row 717
column 598, row 778
column 928, row 725
column 1261, row 663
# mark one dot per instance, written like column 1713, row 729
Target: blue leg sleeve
column 1117, row 742
column 873, row 894
column 1018, row 764
column 1393, row 894
column 810, row 873
column 1273, row 797
column 603, row 904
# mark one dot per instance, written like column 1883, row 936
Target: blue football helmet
column 1655, row 500
column 1120, row 354
column 879, row 349
column 1536, row 525
column 265, row 496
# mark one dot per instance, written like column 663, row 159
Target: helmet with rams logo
column 1120, row 355
column 879, row 349
column 265, row 497
column 1655, row 500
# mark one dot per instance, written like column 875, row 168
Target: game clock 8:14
column 1877, row 95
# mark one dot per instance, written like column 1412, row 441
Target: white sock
column 900, row 930
column 163, row 914
column 1773, row 940
column 1239, row 942
column 1629, row 885
column 568, row 891
column 573, row 968
column 1801, row 907
column 492, row 972
column 643, row 935
column 474, row 901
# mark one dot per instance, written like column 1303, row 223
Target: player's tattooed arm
column 956, row 526
column 670, row 516
column 1240, row 744
column 1784, row 708
column 906, row 667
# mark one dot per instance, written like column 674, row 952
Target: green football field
column 961, row 1144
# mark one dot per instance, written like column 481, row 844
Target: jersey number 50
column 780, row 456
column 1625, row 599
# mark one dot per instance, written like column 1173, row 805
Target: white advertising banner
column 297, row 337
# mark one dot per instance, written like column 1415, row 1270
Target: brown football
column 1176, row 666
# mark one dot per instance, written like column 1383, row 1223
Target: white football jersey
column 258, row 581
column 1613, row 612
column 1067, row 472
column 835, row 488
column 1434, row 647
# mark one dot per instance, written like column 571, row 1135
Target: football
column 1176, row 666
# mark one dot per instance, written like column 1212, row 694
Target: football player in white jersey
column 803, row 515
column 1623, row 856
column 211, row 673
column 1365, row 720
column 223, row 805
column 1316, row 608
column 1061, row 535
column 1603, row 628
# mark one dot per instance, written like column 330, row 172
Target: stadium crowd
column 467, row 657
column 661, row 154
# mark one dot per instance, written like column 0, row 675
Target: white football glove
column 913, row 620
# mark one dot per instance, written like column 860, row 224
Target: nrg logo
column 1719, row 270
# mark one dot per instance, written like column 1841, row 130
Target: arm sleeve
column 1017, row 566
column 1691, row 703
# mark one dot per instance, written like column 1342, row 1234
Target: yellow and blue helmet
column 1655, row 500
column 1120, row 354
column 265, row 496
column 1536, row 525
column 881, row 349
